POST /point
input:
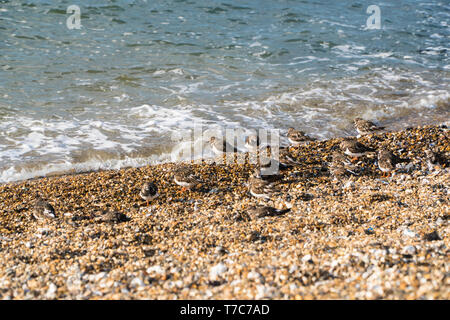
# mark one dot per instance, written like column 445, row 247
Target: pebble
column 155, row 269
column 408, row 233
column 137, row 282
column 51, row 292
column 188, row 245
column 409, row 250
column 253, row 275
column 217, row 270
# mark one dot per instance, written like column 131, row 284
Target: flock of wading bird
column 263, row 185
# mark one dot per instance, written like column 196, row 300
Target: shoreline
column 364, row 237
column 73, row 171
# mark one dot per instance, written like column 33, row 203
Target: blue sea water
column 112, row 93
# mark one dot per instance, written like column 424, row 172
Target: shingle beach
column 361, row 237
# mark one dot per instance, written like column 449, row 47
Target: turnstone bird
column 338, row 157
column 340, row 166
column 252, row 143
column 341, row 159
column 43, row 210
column 260, row 188
column 265, row 211
column 387, row 161
column 266, row 159
column 149, row 191
column 354, row 148
column 297, row 137
column 338, row 171
column 112, row 217
column 287, row 159
column 220, row 147
column 185, row 178
column 365, row 126
column 434, row 159
column 260, row 174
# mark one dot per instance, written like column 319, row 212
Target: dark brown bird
column 338, row 171
column 43, row 210
column 340, row 166
column 435, row 159
column 387, row 161
column 354, row 148
column 149, row 191
column 287, row 159
column 221, row 146
column 297, row 137
column 340, row 160
column 186, row 178
column 261, row 174
column 267, row 159
column 338, row 157
column 261, row 188
column 365, row 126
column 112, row 217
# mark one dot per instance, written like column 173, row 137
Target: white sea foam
column 380, row 55
column 16, row 174
column 348, row 50
column 143, row 134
